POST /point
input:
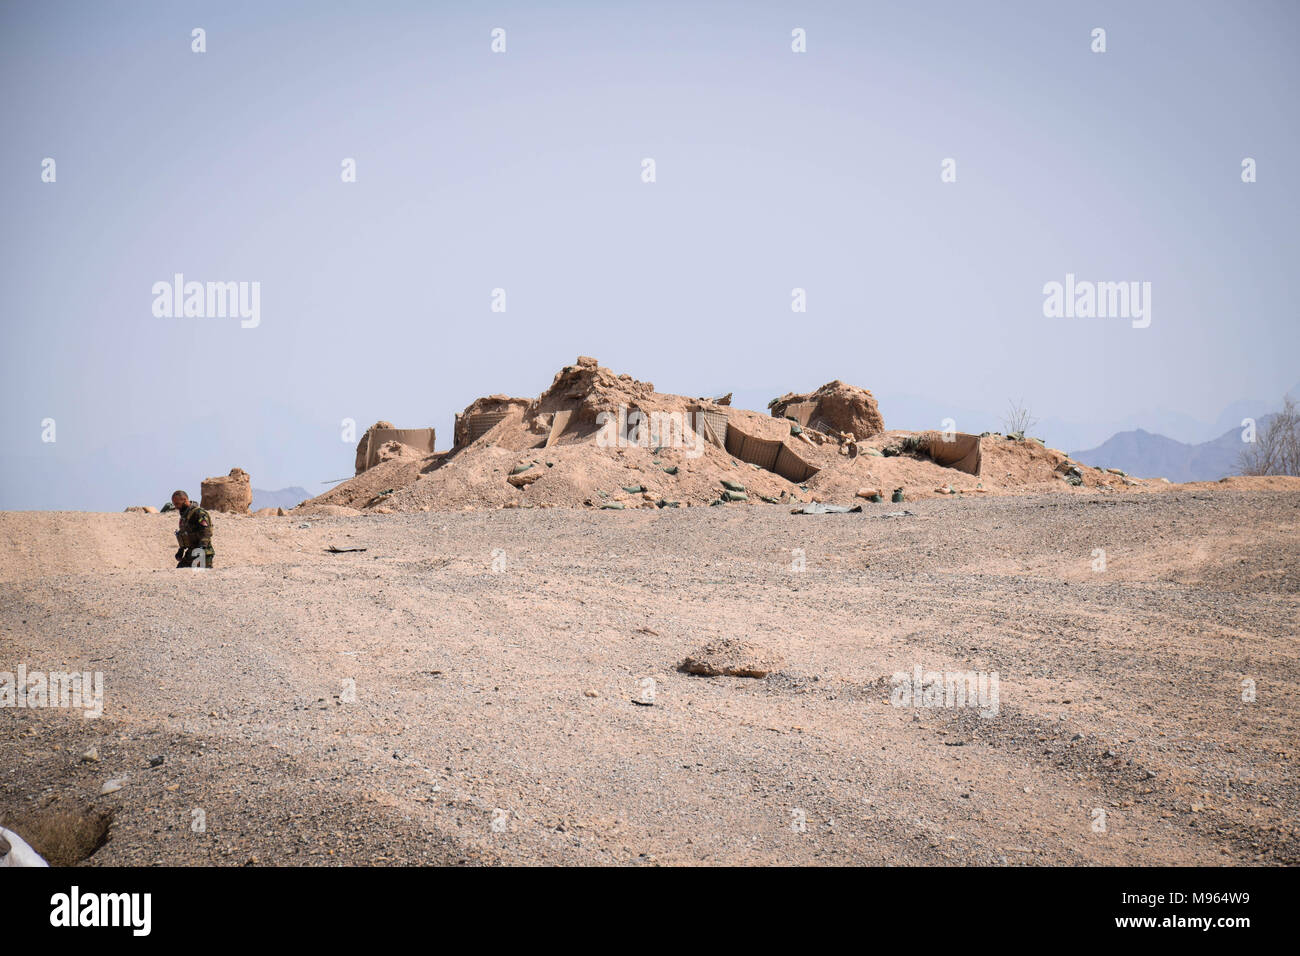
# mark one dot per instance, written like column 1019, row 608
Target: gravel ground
column 517, row 698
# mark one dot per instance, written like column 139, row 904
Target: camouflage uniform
column 195, row 532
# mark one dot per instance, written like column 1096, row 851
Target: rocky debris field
column 666, row 686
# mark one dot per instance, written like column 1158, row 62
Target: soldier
column 194, row 535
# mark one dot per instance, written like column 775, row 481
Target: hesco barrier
column 768, row 453
column 712, row 425
column 801, row 412
column 421, row 438
column 473, row 427
column 962, row 453
column 558, row 424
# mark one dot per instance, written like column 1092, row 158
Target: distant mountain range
column 285, row 498
column 1145, row 454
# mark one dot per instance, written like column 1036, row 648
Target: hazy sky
column 522, row 170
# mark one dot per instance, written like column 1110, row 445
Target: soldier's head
column 180, row 500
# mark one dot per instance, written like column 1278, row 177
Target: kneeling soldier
column 194, row 535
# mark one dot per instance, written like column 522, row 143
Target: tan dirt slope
column 506, row 685
column 577, row 470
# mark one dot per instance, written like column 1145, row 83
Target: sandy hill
column 597, row 439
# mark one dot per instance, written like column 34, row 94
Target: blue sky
column 522, row 171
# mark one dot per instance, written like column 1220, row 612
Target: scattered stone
column 729, row 657
column 524, row 479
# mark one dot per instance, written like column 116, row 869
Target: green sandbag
column 634, row 489
column 663, row 503
column 612, row 506
column 714, row 504
column 770, row 501
column 732, row 485
column 876, row 498
column 875, row 453
column 734, row 496
column 796, row 429
column 670, row 470
column 519, row 469
column 897, row 496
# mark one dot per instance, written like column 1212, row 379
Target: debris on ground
column 729, row 657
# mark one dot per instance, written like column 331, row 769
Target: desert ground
column 504, row 713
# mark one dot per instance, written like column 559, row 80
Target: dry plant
column 1275, row 451
column 1018, row 420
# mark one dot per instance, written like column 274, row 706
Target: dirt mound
column 605, row 441
column 395, row 450
column 834, row 408
column 730, row 657
column 231, row 493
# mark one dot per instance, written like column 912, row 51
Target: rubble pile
column 604, row 441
